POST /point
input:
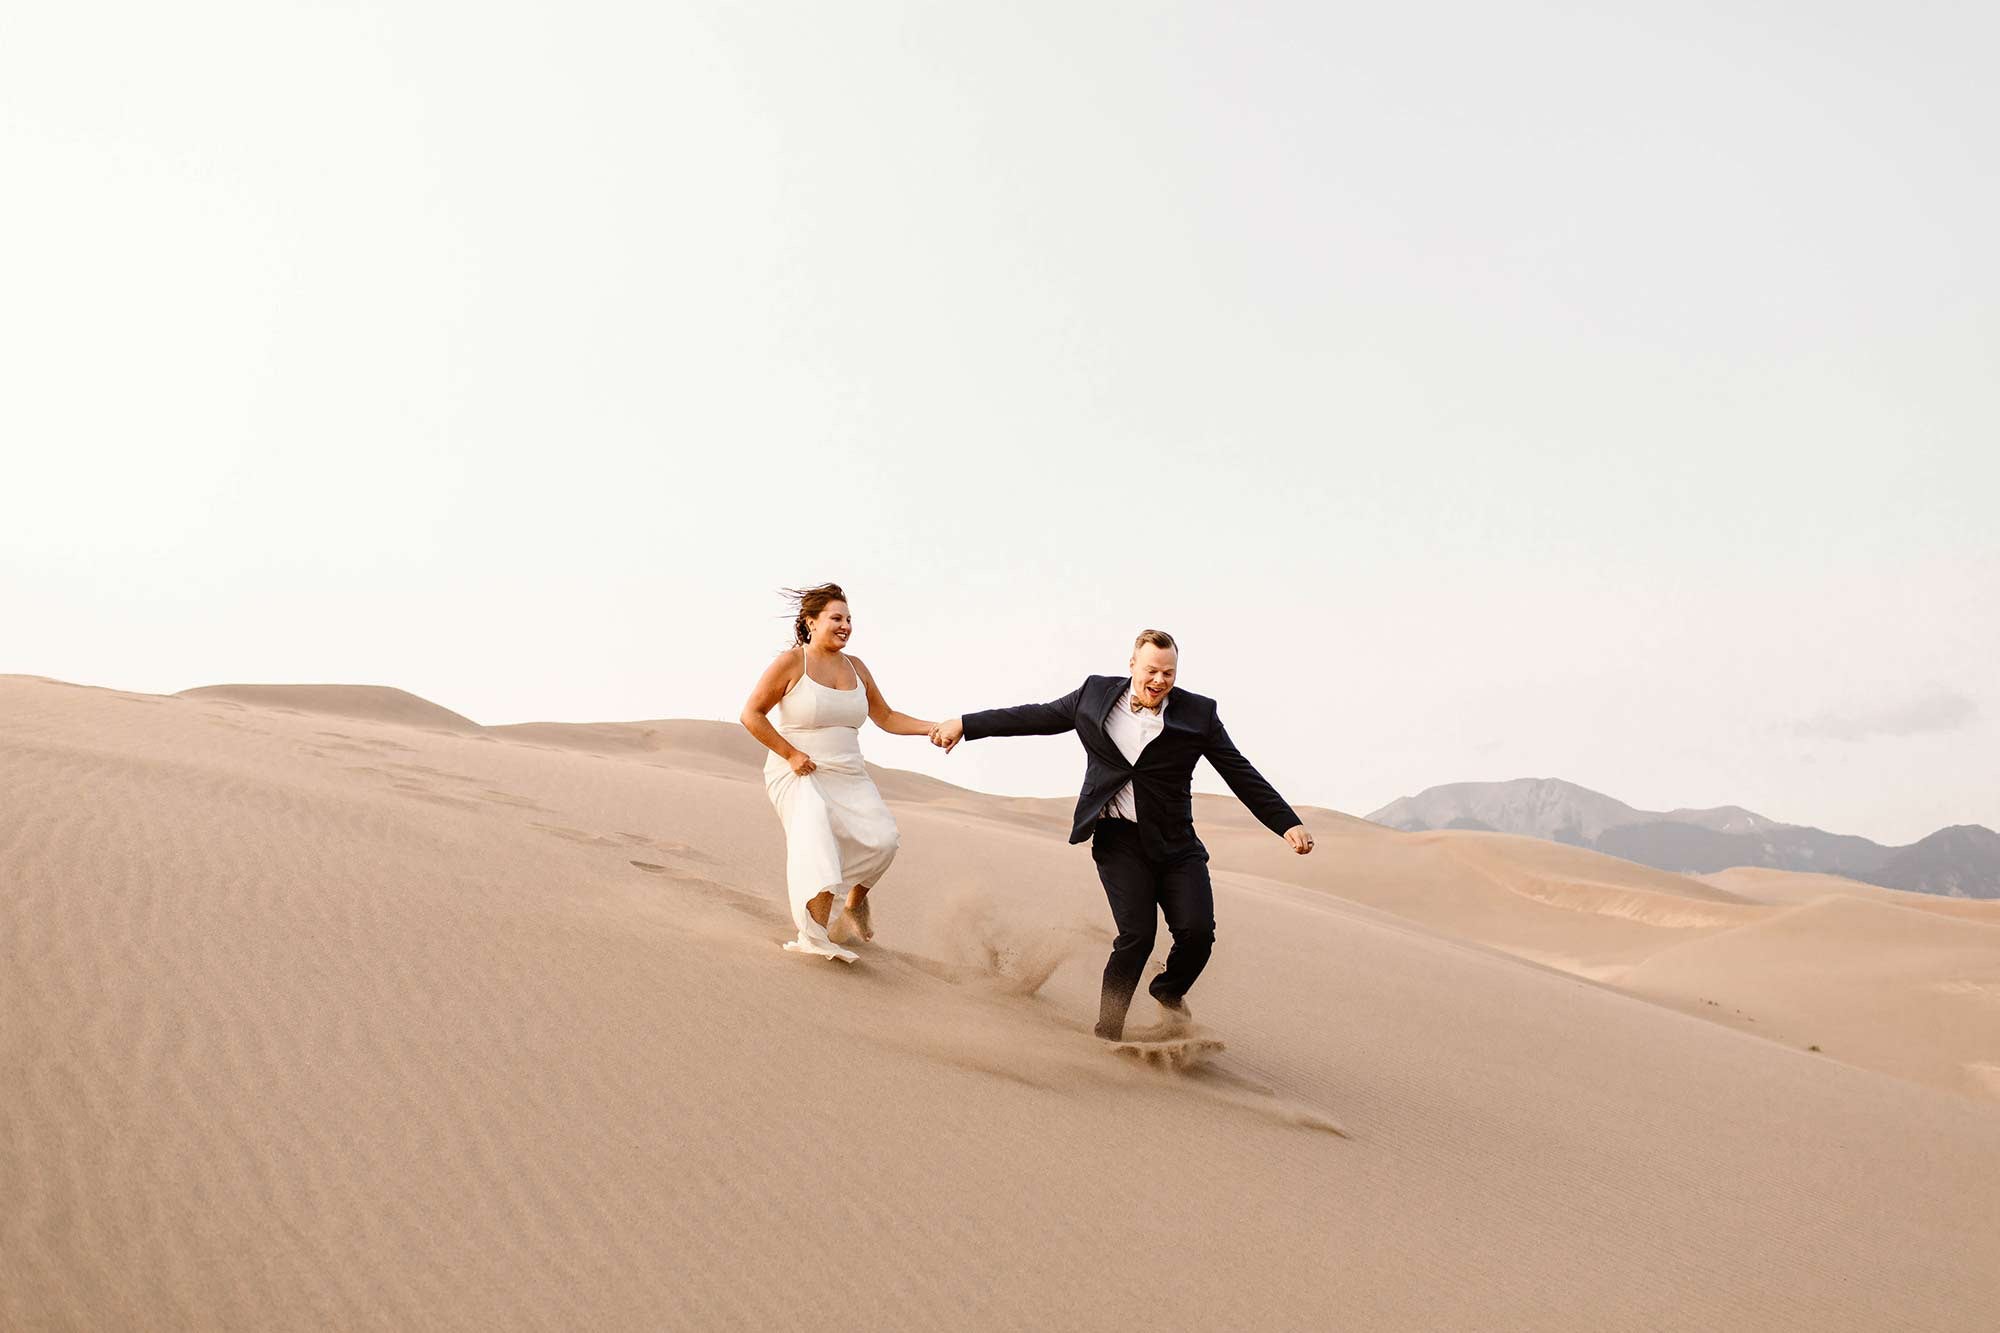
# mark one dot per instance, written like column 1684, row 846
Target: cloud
column 1938, row 710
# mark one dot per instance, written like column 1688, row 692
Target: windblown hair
column 1159, row 638
column 809, row 602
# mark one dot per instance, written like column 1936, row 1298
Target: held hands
column 947, row 735
column 1301, row 841
column 802, row 763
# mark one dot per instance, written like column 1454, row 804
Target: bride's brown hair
column 809, row 602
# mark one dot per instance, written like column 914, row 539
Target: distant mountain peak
column 1539, row 807
column 1962, row 860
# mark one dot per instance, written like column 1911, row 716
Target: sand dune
column 1910, row 992
column 1793, row 887
column 310, row 1018
column 722, row 746
column 372, row 703
column 1609, row 920
column 1578, row 910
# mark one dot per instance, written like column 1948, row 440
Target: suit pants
column 1139, row 889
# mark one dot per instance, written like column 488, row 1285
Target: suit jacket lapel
column 1178, row 717
column 1107, row 703
column 1101, row 707
column 1097, row 712
column 1179, row 725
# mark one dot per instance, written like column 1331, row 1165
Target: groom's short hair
column 1159, row 638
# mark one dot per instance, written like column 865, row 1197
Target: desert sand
column 327, row 1006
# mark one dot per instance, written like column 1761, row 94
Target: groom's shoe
column 1179, row 1016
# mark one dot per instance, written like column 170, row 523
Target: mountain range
column 1961, row 861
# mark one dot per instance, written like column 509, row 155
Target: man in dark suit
column 1137, row 809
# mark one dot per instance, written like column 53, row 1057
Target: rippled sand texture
column 325, row 1006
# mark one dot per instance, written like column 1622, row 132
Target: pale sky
column 1605, row 393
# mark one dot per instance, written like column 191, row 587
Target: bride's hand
column 802, row 763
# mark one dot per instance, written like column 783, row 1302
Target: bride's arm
column 781, row 675
column 879, row 712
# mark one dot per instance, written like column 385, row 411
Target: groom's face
column 1153, row 670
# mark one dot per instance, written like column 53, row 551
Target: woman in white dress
column 839, row 836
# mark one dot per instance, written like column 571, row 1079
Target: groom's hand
column 1301, row 841
column 947, row 735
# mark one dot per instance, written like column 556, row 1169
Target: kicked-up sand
column 324, row 1006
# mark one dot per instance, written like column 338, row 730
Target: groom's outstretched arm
column 1257, row 795
column 1049, row 719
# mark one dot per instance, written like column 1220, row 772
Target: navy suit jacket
column 1162, row 780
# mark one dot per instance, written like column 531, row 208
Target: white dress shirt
column 1131, row 732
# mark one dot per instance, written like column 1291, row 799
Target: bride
column 838, row 833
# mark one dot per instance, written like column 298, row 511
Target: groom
column 1140, row 747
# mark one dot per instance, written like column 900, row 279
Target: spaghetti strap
column 804, row 675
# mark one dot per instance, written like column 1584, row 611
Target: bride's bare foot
column 857, row 913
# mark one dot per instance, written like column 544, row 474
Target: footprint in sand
column 626, row 841
column 765, row 911
column 493, row 797
column 414, row 775
column 429, row 772
column 682, row 850
column 421, row 792
column 583, row 836
column 345, row 741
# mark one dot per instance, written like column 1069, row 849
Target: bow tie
column 1138, row 707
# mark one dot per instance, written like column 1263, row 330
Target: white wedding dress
column 838, row 833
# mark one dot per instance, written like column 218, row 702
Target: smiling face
column 1153, row 670
column 832, row 627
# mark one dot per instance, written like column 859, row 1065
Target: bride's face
column 831, row 627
